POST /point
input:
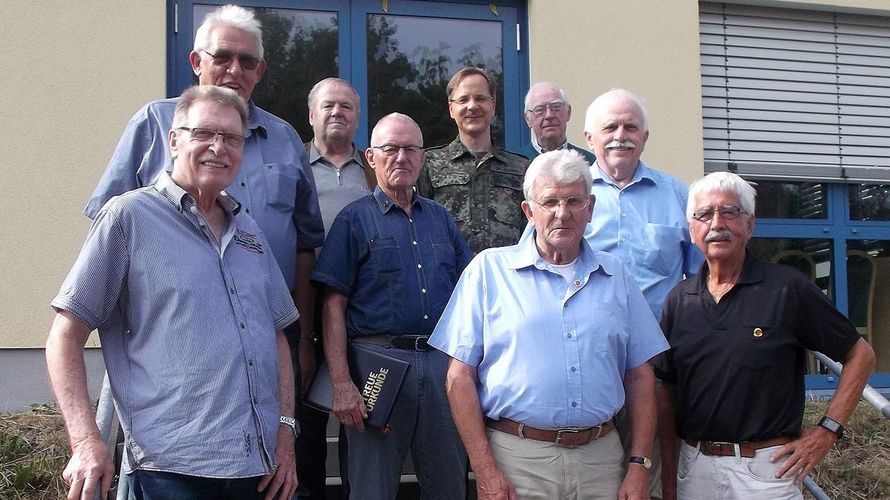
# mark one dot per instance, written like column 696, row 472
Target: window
column 398, row 59
column 794, row 101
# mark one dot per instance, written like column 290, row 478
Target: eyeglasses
column 478, row 99
column 225, row 58
column 555, row 106
column 206, row 135
column 572, row 203
column 393, row 149
column 728, row 212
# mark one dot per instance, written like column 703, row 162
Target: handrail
column 869, row 393
column 105, row 419
column 814, row 489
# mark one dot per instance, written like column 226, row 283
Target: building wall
column 73, row 79
column 75, row 73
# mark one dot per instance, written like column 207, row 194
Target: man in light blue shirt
column 275, row 184
column 640, row 216
column 549, row 339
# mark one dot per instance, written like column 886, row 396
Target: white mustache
column 620, row 144
column 718, row 236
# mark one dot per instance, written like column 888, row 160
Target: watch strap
column 832, row 426
column 292, row 423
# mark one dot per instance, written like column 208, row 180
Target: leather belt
column 408, row 342
column 561, row 437
column 746, row 449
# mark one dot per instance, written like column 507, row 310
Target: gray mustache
column 717, row 236
column 620, row 144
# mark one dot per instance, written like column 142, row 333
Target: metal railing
column 869, row 394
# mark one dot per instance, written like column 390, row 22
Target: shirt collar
column 642, row 173
column 385, row 203
column 169, row 189
column 752, row 272
column 255, row 121
column 457, row 149
column 526, row 256
column 314, row 155
column 540, row 149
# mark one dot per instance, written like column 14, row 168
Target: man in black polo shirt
column 733, row 387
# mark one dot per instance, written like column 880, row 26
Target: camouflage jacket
column 483, row 197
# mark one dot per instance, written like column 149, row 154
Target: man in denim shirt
column 388, row 267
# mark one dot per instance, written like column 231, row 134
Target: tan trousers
column 546, row 471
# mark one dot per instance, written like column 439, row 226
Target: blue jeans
column 420, row 421
column 151, row 485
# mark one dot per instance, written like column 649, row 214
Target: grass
column 858, row 467
column 34, row 450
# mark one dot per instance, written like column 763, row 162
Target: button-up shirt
column 482, row 194
column 645, row 226
column 548, row 353
column 188, row 329
column 274, row 185
column 397, row 270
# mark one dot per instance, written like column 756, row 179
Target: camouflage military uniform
column 482, row 196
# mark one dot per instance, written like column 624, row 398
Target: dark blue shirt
column 397, row 270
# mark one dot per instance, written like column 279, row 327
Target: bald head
column 396, row 122
column 396, row 155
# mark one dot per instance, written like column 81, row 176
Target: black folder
column 377, row 376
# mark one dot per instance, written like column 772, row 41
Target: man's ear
column 527, row 209
column 195, row 60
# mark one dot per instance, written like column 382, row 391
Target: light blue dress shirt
column 188, row 328
column 645, row 226
column 549, row 354
column 274, row 185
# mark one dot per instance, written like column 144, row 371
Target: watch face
column 644, row 461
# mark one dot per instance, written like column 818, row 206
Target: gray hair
column 220, row 95
column 562, row 94
column 313, row 94
column 722, row 182
column 234, row 16
column 564, row 166
column 596, row 107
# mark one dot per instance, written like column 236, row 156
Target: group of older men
column 521, row 361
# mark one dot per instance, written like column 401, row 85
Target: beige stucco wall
column 648, row 47
column 74, row 74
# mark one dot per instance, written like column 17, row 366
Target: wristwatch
column 292, row 423
column 644, row 461
column 832, row 425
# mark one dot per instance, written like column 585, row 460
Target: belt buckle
column 560, row 433
column 421, row 340
column 719, row 446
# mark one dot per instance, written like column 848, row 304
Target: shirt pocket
column 281, row 185
column 506, row 196
column 445, row 258
column 385, row 256
column 453, row 191
column 663, row 252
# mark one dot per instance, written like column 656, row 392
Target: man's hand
column 635, row 485
column 90, row 466
column 283, row 480
column 307, row 364
column 804, row 453
column 494, row 485
column 349, row 406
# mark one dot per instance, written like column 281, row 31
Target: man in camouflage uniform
column 479, row 183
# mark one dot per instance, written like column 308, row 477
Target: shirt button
column 250, row 362
column 231, row 290
column 574, row 404
column 426, row 316
column 247, row 210
column 574, row 369
column 414, row 243
column 569, row 335
column 419, row 266
column 242, row 325
column 243, row 184
column 410, row 219
column 423, row 290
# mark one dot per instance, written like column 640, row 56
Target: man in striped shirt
column 190, row 306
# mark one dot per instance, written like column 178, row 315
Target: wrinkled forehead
column 715, row 198
column 232, row 39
